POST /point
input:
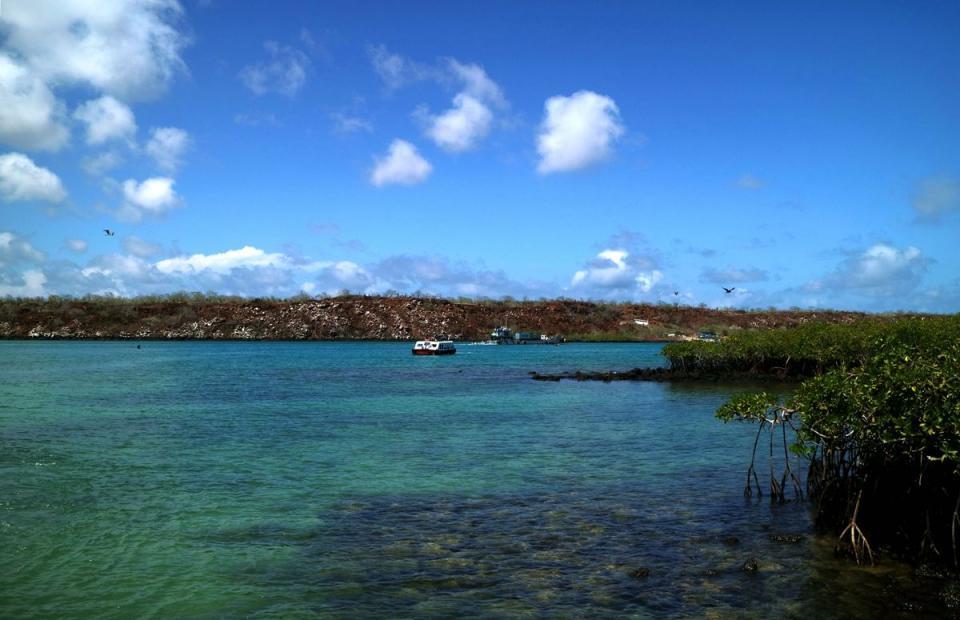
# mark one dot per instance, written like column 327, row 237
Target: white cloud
column 880, row 270
column 14, row 249
column 76, row 245
column 31, row 285
column 166, row 146
column 106, row 119
column 577, row 131
column 469, row 120
column 248, row 271
column 402, row 164
column 477, row 83
column 616, row 271
column 126, row 48
column 461, row 127
column 748, row 181
column 30, row 116
column 21, row 179
column 247, row 256
column 154, row 195
column 285, row 72
column 936, row 197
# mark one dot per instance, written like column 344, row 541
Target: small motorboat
column 434, row 347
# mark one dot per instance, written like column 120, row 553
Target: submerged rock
column 787, row 539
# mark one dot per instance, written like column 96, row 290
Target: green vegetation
column 807, row 350
column 878, row 419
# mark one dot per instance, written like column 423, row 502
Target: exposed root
column 858, row 541
column 926, row 542
column 953, row 529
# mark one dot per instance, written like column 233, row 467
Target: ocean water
column 354, row 480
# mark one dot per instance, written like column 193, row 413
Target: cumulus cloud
column 28, row 284
column 248, row 271
column 462, row 126
column 577, row 131
column 470, row 117
column 247, row 256
column 402, row 164
column 936, row 197
column 106, row 119
column 284, row 72
column 732, row 275
column 15, row 249
column 31, row 117
column 617, row 272
column 19, row 275
column 166, row 146
column 881, row 270
column 23, row 180
column 126, row 48
column 469, row 120
column 154, row 195
column 477, row 83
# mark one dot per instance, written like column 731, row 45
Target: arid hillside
column 372, row 318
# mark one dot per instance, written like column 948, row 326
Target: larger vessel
column 434, row 347
column 504, row 335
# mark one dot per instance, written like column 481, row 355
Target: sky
column 804, row 154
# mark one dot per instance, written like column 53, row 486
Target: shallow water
column 355, row 480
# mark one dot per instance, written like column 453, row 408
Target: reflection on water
column 353, row 480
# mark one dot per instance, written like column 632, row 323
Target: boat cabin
column 434, row 347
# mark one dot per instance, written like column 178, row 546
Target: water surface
column 224, row 479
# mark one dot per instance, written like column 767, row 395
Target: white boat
column 434, row 347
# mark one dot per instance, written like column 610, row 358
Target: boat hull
column 429, row 352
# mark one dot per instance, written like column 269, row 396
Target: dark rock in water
column 640, row 573
column 654, row 374
column 751, row 565
column 787, row 539
column 731, row 541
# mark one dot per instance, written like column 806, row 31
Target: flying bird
column 109, row 232
column 728, row 290
column 675, row 293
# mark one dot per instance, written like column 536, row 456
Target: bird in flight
column 109, row 232
column 675, row 293
column 729, row 290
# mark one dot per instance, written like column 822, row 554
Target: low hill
column 356, row 317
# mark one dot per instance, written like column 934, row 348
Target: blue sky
column 806, row 154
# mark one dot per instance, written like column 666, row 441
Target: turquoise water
column 344, row 480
